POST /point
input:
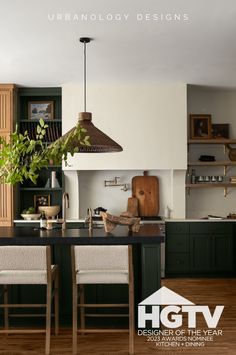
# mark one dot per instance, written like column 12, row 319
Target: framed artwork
column 41, row 200
column 40, row 109
column 200, row 126
column 220, row 130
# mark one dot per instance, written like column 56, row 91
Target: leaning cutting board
column 146, row 190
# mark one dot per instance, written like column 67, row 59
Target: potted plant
column 21, row 158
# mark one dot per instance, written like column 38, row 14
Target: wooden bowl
column 50, row 211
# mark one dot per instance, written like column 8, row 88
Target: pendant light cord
column 85, row 86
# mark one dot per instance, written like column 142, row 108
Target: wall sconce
column 115, row 182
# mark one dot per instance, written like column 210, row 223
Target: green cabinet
column 204, row 248
column 223, row 252
column 177, row 248
column 201, row 253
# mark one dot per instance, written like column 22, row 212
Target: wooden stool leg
column 131, row 302
column 82, row 310
column 6, row 313
column 74, row 317
column 48, row 318
column 56, row 304
column 131, row 319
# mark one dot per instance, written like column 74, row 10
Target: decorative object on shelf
column 48, row 184
column 233, row 179
column 111, row 221
column 50, row 211
column 30, row 217
column 54, row 181
column 232, row 153
column 115, row 182
column 207, row 158
column 52, row 133
column 21, row 158
column 200, row 126
column 231, row 216
column 99, row 141
column 41, row 200
column 30, row 214
column 193, row 176
column 41, row 109
column 220, row 130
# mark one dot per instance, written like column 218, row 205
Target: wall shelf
column 224, row 163
column 212, row 141
column 40, row 188
column 212, row 163
column 28, row 120
column 213, row 185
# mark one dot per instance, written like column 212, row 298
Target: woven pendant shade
column 99, row 141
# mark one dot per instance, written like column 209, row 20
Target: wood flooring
column 210, row 292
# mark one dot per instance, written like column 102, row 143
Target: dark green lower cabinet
column 223, row 253
column 200, row 248
column 201, row 253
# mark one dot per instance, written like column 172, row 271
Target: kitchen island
column 146, row 252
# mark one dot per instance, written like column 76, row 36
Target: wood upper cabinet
column 7, row 118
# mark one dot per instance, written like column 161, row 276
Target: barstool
column 24, row 265
column 101, row 265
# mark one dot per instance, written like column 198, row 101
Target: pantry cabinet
column 7, row 119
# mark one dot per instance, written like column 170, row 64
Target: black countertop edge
column 148, row 234
column 80, row 240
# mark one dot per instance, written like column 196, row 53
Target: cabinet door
column 6, row 125
column 177, row 253
column 201, row 252
column 6, row 205
column 223, row 252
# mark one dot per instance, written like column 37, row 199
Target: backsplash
column 93, row 193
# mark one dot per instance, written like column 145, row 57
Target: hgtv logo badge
column 168, row 308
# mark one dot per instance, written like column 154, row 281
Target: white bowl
column 30, row 216
column 50, row 211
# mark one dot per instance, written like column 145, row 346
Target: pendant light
column 99, row 141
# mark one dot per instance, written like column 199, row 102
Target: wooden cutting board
column 146, row 190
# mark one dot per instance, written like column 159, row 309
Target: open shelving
column 27, row 191
column 216, row 163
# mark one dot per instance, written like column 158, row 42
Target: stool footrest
column 26, row 315
column 21, row 331
column 106, row 315
column 22, row 305
column 103, row 330
column 104, row 305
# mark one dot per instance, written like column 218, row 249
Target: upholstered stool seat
column 102, row 277
column 101, row 265
column 24, row 277
column 29, row 265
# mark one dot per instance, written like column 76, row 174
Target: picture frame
column 220, row 130
column 40, row 109
column 200, row 126
column 41, row 200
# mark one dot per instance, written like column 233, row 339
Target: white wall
column 94, row 193
column 221, row 104
column 149, row 122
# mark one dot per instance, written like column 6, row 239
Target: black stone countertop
column 148, row 234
